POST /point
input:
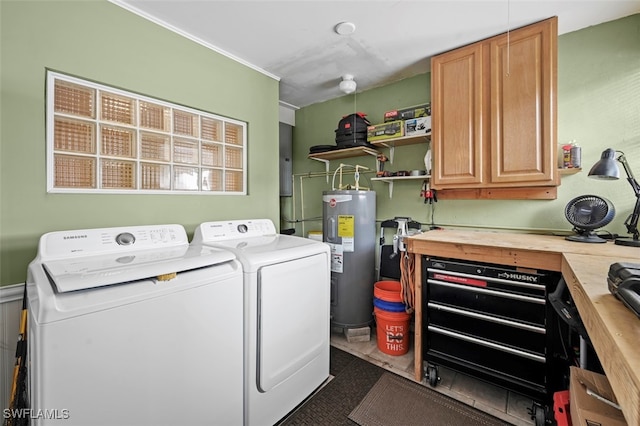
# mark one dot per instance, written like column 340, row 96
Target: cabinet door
column 523, row 113
column 494, row 112
column 457, row 111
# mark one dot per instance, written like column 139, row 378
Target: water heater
column 349, row 227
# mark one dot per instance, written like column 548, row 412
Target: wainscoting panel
column 10, row 307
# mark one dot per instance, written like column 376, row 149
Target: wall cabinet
column 494, row 114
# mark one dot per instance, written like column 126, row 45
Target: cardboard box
column 587, row 408
column 417, row 126
column 393, row 129
column 407, row 113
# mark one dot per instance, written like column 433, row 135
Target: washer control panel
column 63, row 244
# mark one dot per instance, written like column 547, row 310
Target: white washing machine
column 132, row 326
column 287, row 303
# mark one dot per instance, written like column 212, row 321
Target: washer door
column 293, row 317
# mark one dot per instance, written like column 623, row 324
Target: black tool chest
column 494, row 322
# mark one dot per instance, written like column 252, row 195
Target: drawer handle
column 540, row 287
column 496, row 320
column 487, row 291
column 487, row 344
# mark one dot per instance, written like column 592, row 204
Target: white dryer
column 132, row 326
column 287, row 305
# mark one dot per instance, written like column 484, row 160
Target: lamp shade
column 606, row 167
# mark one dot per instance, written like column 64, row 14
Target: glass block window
column 105, row 140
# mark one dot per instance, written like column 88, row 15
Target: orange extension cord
column 407, row 284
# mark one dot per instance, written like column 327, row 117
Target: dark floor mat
column 395, row 400
column 340, row 360
column 332, row 404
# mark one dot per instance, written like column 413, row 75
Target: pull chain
column 355, row 103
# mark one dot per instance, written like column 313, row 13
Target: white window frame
column 224, row 167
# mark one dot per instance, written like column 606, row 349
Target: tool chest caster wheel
column 539, row 414
column 432, row 375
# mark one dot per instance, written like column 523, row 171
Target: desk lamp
column 607, row 168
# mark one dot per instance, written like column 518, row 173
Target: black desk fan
column 587, row 213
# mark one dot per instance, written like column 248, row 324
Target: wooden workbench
column 613, row 329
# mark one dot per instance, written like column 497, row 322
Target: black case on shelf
column 352, row 130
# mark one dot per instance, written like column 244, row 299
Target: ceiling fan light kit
column 348, row 84
column 607, row 168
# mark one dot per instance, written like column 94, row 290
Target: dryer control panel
column 233, row 229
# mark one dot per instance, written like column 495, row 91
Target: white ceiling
column 295, row 42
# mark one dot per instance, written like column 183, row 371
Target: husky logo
column 519, row 277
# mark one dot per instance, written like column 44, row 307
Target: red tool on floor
column 561, row 410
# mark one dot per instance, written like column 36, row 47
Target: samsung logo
column 519, row 277
column 75, row 237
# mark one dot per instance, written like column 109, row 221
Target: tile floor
column 497, row 401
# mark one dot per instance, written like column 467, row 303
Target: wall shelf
column 401, row 141
column 391, row 179
column 358, row 151
column 337, row 154
column 569, row 171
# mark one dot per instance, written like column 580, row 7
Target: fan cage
column 588, row 212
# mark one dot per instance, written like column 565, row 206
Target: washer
column 287, row 303
column 133, row 326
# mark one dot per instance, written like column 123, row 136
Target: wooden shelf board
column 569, row 171
column 404, row 140
column 344, row 153
column 396, row 178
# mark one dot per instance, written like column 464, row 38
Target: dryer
column 287, row 308
column 133, row 326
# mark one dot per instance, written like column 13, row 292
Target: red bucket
column 388, row 291
column 392, row 331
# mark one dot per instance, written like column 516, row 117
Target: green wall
column 598, row 107
column 97, row 40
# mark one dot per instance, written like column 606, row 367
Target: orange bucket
column 388, row 291
column 392, row 331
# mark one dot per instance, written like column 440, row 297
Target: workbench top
column 613, row 329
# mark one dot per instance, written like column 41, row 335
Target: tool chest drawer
column 498, row 330
column 500, row 363
column 497, row 303
column 491, row 321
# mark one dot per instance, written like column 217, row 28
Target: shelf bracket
column 392, row 149
column 326, row 166
column 388, row 182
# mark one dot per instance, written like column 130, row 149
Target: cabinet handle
column 489, row 292
column 540, row 287
column 489, row 318
column 487, row 344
